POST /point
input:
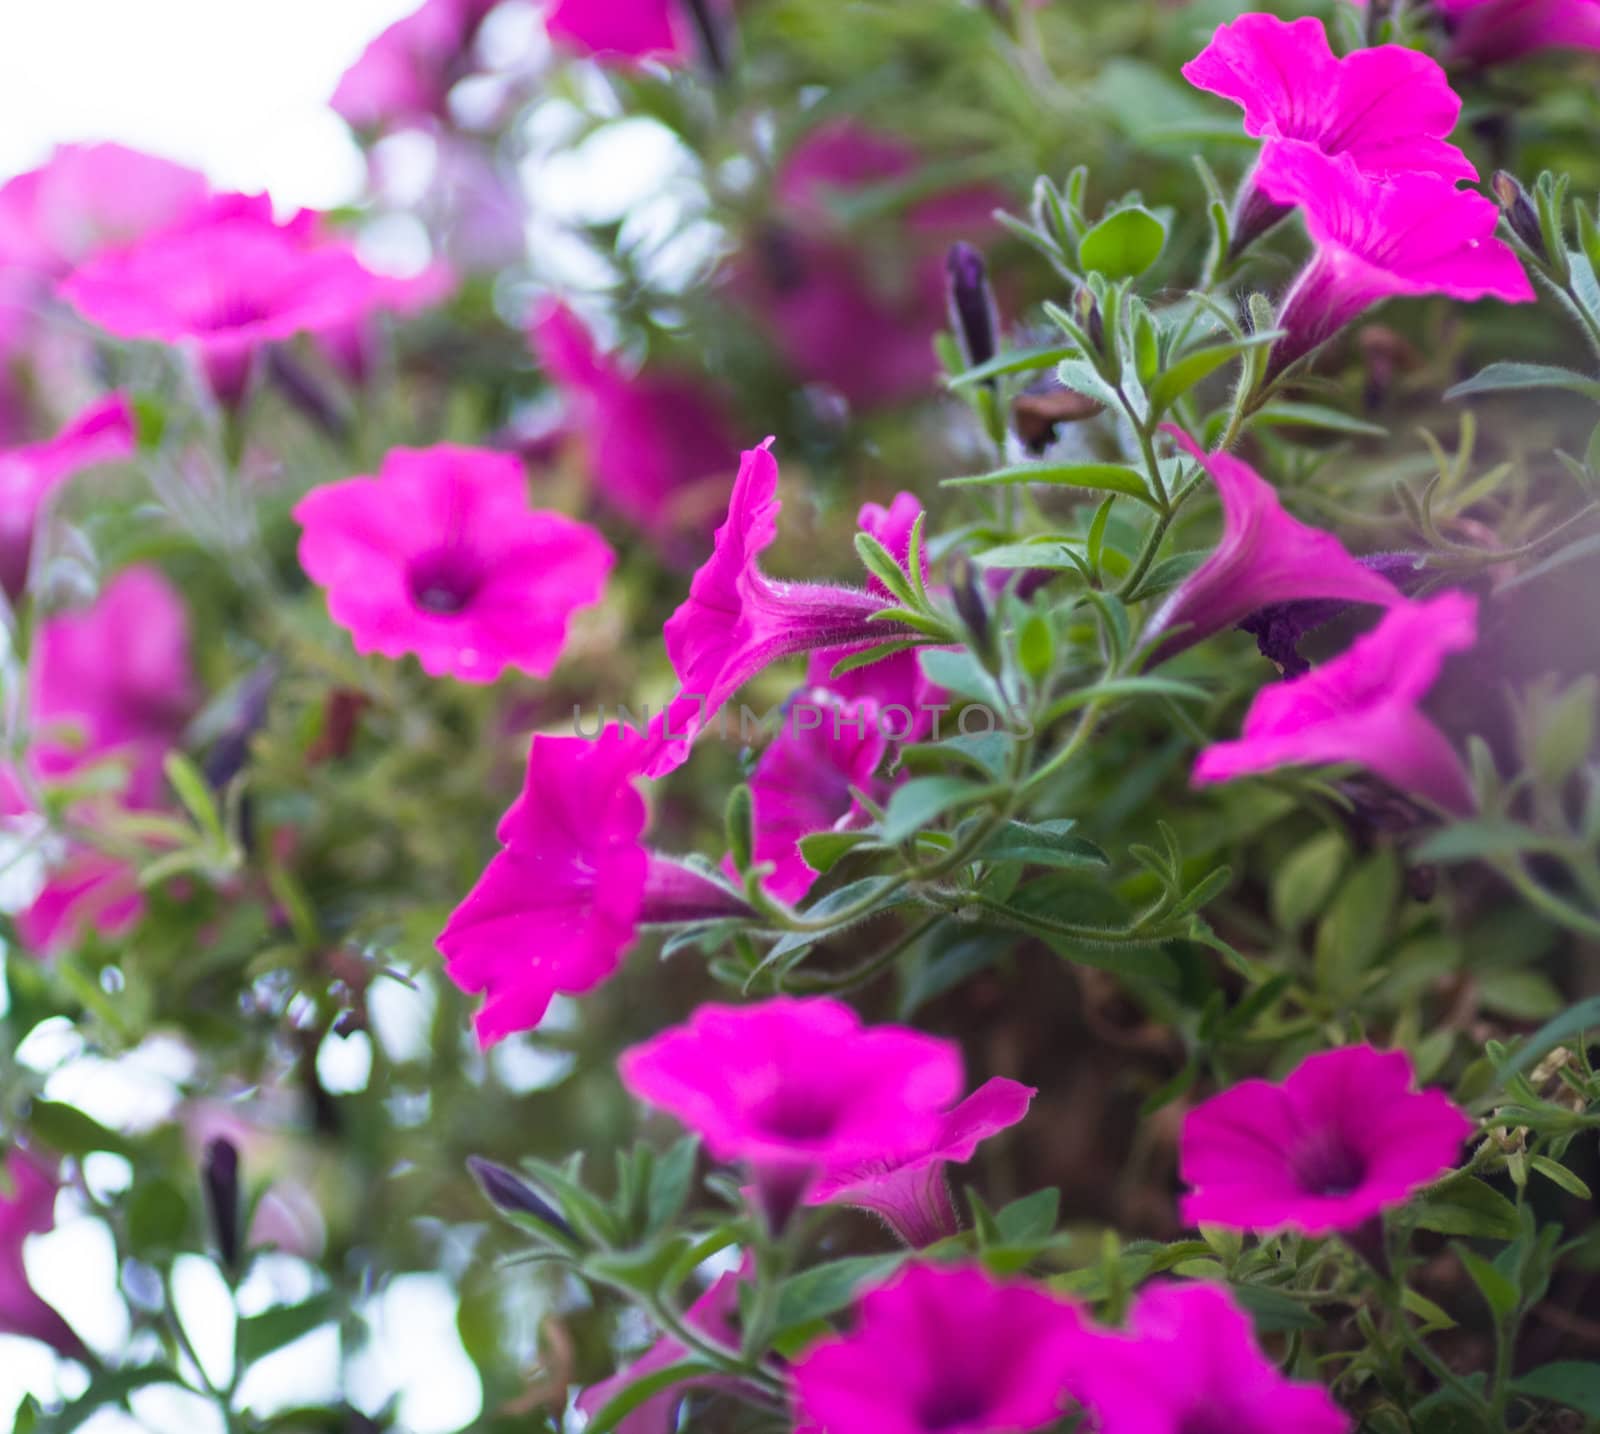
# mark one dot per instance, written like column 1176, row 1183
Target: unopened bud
column 220, row 1174
column 970, row 605
column 1089, row 316
column 1519, row 211
column 511, row 1194
column 971, row 303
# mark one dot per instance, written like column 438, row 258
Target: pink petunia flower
column 404, row 76
column 803, row 782
column 1265, row 557
column 620, row 31
column 659, row 445
column 912, row 1193
column 715, row 1314
column 736, row 620
column 1190, row 1361
column 1342, row 1138
column 943, row 1350
column 796, row 1088
column 90, row 198
column 842, row 314
column 442, row 556
column 110, row 683
column 1389, row 108
column 103, row 433
column 1491, row 32
column 555, row 911
column 229, row 281
column 1362, row 707
column 29, row 1210
column 1409, row 234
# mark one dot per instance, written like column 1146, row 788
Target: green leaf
column 1356, row 927
column 1036, row 646
column 1044, row 843
column 1466, row 1206
column 261, row 1334
column 879, row 561
column 638, row 1391
column 1575, row 1383
column 1105, row 477
column 1305, row 879
column 1557, row 1031
column 1031, row 1219
column 922, row 801
column 1559, row 1174
column 1500, row 377
column 1272, row 1310
column 1124, row 244
column 670, row 1181
column 1499, row 1293
column 822, row 851
column 1199, row 364
column 1522, row 995
column 68, row 1131
column 158, row 1216
column 1470, row 841
column 1021, row 361
column 826, row 1289
column 1316, row 415
column 195, row 795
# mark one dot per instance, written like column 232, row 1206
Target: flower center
column 789, row 1115
column 1329, row 1165
column 443, row 581
column 231, row 311
column 952, row 1408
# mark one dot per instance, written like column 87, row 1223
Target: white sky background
column 239, row 89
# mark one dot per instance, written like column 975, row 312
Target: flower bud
column 1089, row 316
column 512, row 1195
column 219, row 1172
column 1519, row 211
column 971, row 303
column 967, row 591
column 713, row 28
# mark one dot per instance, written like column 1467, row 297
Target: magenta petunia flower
column 228, row 281
column 103, row 433
column 404, row 76
column 90, row 198
column 1387, row 107
column 1265, row 557
column 29, row 1209
column 943, row 1350
column 796, row 1088
column 1490, row 32
column 441, row 555
column 555, row 911
column 1342, row 1138
column 1190, row 1362
column 911, row 1193
column 1362, row 707
column 803, row 782
column 620, row 31
column 659, row 445
column 736, row 620
column 1408, row 234
column 855, row 310
column 714, row 1314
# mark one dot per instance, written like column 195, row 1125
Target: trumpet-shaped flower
column 29, row 1210
column 1492, row 32
column 620, row 31
column 736, row 620
column 404, row 76
column 943, row 1350
column 715, row 1314
column 1190, row 1362
column 806, row 779
column 228, row 281
column 659, row 445
column 441, row 555
column 1342, row 1138
column 1408, row 234
column 1265, row 557
column 102, row 433
column 911, row 1193
column 797, row 1088
column 1362, row 707
column 555, row 911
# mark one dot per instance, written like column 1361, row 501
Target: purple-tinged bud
column 1089, row 316
column 512, row 1195
column 219, row 1173
column 967, row 592
column 973, row 315
column 713, row 29
column 1519, row 212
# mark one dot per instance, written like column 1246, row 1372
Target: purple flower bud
column 971, row 302
column 1518, row 211
column 511, row 1194
column 220, row 1175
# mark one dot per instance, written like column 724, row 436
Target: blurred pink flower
column 796, row 1088
column 1264, row 557
column 1409, row 234
column 1362, row 707
column 1190, row 1361
column 736, row 620
column 555, row 911
column 802, row 783
column 715, row 1314
column 441, row 555
column 659, row 445
column 404, row 76
column 29, row 1210
column 620, row 31
column 89, row 198
column 943, row 1350
column 842, row 315
column 1490, row 32
column 102, row 433
column 912, row 1193
column 1342, row 1138
column 229, row 281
